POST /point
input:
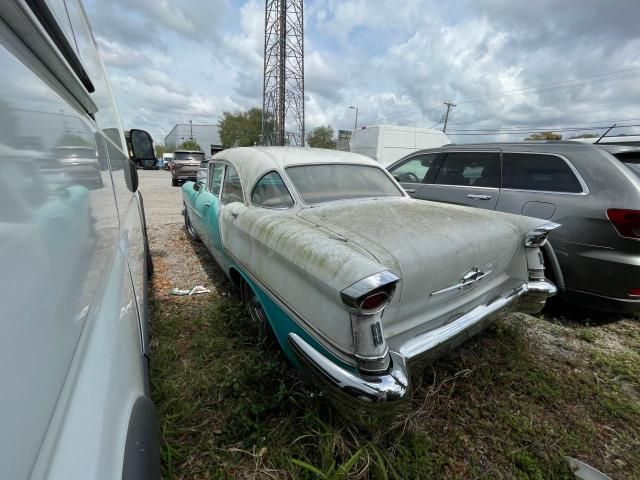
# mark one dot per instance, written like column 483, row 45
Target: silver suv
column 74, row 259
column 184, row 166
column 594, row 258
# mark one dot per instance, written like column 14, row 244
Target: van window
column 413, row 170
column 231, row 188
column 547, row 173
column 470, row 169
column 271, row 192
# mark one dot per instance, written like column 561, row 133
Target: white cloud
column 398, row 61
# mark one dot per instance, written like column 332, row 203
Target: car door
column 412, row 172
column 466, row 178
column 208, row 205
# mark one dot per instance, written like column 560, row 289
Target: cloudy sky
column 509, row 65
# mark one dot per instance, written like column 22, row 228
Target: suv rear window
column 545, row 173
column 631, row 160
column 188, row 156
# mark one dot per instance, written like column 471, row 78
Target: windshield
column 327, row 183
column 188, row 156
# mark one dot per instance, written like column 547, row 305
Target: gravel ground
column 179, row 262
column 162, row 202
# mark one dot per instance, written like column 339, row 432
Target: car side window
column 216, row 171
column 547, row 173
column 470, row 169
column 231, row 187
column 271, row 192
column 413, row 170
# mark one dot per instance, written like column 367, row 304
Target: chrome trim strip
column 432, row 339
column 367, row 284
column 470, row 279
column 533, row 237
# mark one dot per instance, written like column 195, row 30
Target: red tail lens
column 634, row 292
column 627, row 222
column 374, row 301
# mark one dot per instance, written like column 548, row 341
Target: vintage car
column 356, row 279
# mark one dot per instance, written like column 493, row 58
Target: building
column 207, row 136
column 344, row 136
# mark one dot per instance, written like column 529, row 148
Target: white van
column 74, row 259
column 388, row 143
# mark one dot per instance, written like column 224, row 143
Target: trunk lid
column 430, row 246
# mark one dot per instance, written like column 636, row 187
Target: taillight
column 626, row 222
column 371, row 294
column 374, row 301
column 634, row 292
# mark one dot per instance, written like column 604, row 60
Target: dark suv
column 184, row 165
column 594, row 258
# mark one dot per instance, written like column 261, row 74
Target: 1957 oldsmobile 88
column 356, row 279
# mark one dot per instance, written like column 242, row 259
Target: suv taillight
column 626, row 222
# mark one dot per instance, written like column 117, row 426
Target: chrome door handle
column 410, row 190
column 207, row 205
column 480, row 197
column 234, row 214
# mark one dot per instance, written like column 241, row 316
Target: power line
column 540, row 89
column 521, row 132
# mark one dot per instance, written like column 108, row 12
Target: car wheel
column 174, row 182
column 188, row 227
column 255, row 310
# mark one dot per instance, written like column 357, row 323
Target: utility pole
column 449, row 105
column 190, row 130
column 355, row 126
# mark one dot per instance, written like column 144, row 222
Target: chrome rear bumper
column 368, row 394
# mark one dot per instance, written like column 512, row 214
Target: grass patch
column 231, row 407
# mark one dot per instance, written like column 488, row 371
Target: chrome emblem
column 469, row 280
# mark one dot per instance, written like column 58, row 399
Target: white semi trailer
column 388, row 143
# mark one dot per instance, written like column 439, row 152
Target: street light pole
column 355, row 127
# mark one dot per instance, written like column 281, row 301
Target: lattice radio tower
column 283, row 89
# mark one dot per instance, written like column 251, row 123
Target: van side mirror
column 132, row 179
column 142, row 152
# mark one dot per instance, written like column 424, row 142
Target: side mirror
column 132, row 180
column 196, row 186
column 142, row 152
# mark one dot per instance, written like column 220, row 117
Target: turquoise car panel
column 282, row 325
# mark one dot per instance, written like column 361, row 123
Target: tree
column 160, row 150
column 189, row 145
column 322, row 137
column 585, row 135
column 241, row 129
column 544, row 136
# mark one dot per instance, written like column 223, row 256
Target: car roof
column 253, row 162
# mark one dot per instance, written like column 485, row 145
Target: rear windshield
column 631, row 160
column 184, row 156
column 331, row 182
